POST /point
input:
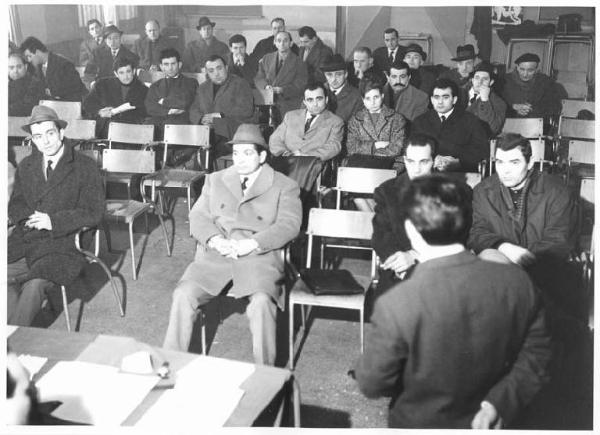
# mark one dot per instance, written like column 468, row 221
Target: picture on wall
column 507, row 15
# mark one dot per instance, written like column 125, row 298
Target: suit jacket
column 323, row 139
column 246, row 71
column 461, row 136
column 197, row 51
column 267, row 45
column 292, row 78
column 234, row 100
column 176, row 93
column 314, row 60
column 381, row 58
column 422, row 79
column 62, row 79
column 362, row 133
column 73, row 197
column 149, row 51
column 101, row 64
column 492, row 113
column 23, row 94
column 86, row 50
column 270, row 213
column 346, row 103
column 410, row 103
column 107, row 93
column 461, row 330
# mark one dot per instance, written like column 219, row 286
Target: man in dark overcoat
column 243, row 218
column 56, row 192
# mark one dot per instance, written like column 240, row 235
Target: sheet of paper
column 33, row 364
column 92, row 393
column 206, row 392
column 122, row 108
column 10, row 329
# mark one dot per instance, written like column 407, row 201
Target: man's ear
column 454, row 100
column 262, row 157
column 491, row 83
column 530, row 163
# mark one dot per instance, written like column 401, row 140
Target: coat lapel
column 231, row 179
column 62, row 170
column 263, row 182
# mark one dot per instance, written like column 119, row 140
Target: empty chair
column 360, row 180
column 527, row 127
column 570, row 108
column 581, row 159
column 576, row 129
column 15, row 130
column 340, row 224
column 140, row 135
column 81, row 129
column 66, row 110
column 136, row 162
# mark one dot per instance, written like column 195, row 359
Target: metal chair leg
column 362, row 330
column 63, row 291
column 203, row 331
column 296, row 399
column 164, row 229
column 131, row 246
column 189, row 199
column 291, row 337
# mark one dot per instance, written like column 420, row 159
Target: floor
column 330, row 397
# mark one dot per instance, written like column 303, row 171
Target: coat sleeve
column 287, row 222
column 85, row 54
column 383, row 240
column 492, row 112
column 477, row 148
column 277, row 140
column 202, row 223
column 69, row 83
column 197, row 108
column 333, row 145
column 151, row 102
column 33, row 94
column 295, row 88
column 18, row 207
column 243, row 109
column 528, row 374
column 189, row 59
column 260, row 80
column 355, row 142
column 92, row 103
column 482, row 235
column 90, row 204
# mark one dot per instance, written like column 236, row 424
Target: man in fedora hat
column 420, row 77
column 103, row 58
column 343, row 99
column 245, row 215
column 197, row 51
column 465, row 63
column 56, row 192
column 59, row 76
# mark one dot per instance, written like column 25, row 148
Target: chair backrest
column 128, row 39
column 135, row 161
column 199, row 77
column 362, row 180
column 130, row 133
column 526, row 127
column 14, row 126
column 347, row 224
column 21, row 152
column 581, row 151
column 586, row 191
column 576, row 128
column 82, row 129
column 570, row 108
column 189, row 135
column 67, row 110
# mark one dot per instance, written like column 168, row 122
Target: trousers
column 24, row 299
column 188, row 300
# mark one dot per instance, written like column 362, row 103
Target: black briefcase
column 331, row 282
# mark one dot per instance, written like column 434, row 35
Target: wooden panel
column 192, row 135
column 138, row 162
column 340, row 223
column 582, row 151
column 570, row 108
column 526, row 127
column 81, row 129
column 577, row 128
column 362, row 180
column 130, row 133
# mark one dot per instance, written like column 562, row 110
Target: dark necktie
column 391, row 57
column 48, row 169
column 114, row 53
column 443, row 118
column 279, row 65
column 308, row 122
column 244, row 184
column 472, row 100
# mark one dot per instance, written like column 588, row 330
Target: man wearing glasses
column 56, row 192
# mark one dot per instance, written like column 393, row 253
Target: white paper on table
column 122, row 108
column 93, row 393
column 10, row 329
column 33, row 364
column 205, row 395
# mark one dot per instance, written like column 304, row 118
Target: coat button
column 259, row 218
column 222, row 205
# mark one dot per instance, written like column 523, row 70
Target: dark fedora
column 204, row 21
column 464, row 52
column 42, row 114
column 333, row 63
column 415, row 48
column 528, row 57
column 112, row 29
column 249, row 134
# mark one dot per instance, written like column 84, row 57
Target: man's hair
column 390, row 30
column 92, row 21
column 120, row 62
column 422, row 140
column 510, row 141
column 444, row 83
column 152, row 21
column 33, row 44
column 363, row 50
column 399, row 65
column 307, row 31
column 279, row 20
column 313, row 86
column 286, row 32
column 439, row 208
column 368, row 83
column 214, row 58
column 236, row 39
column 168, row 53
column 18, row 55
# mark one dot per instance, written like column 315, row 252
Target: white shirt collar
column 308, row 115
column 55, row 158
column 338, row 90
column 472, row 93
column 251, row 178
column 447, row 114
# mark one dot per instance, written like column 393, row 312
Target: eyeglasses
column 50, row 134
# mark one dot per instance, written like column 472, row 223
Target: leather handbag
column 331, row 282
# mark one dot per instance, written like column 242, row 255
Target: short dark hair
column 444, row 83
column 278, row 19
column 313, row 86
column 92, row 21
column 33, row 44
column 236, row 39
column 510, row 141
column 399, row 65
column 214, row 58
column 120, row 62
column 390, row 30
column 363, row 50
column 286, row 32
column 421, row 140
column 368, row 83
column 307, row 31
column 439, row 208
column 168, row 53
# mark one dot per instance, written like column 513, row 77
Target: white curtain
column 14, row 29
column 88, row 12
column 107, row 14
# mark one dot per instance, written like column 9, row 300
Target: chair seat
column 120, row 177
column 174, row 177
column 301, row 294
column 125, row 210
column 338, row 241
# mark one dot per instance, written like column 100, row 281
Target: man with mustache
column 400, row 95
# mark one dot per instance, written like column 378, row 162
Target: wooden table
column 261, row 388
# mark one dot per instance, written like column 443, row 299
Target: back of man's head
column 439, row 208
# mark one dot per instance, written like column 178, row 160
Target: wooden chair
column 16, row 134
column 359, row 180
column 570, row 108
column 339, row 224
column 137, row 162
column 67, row 110
column 169, row 178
